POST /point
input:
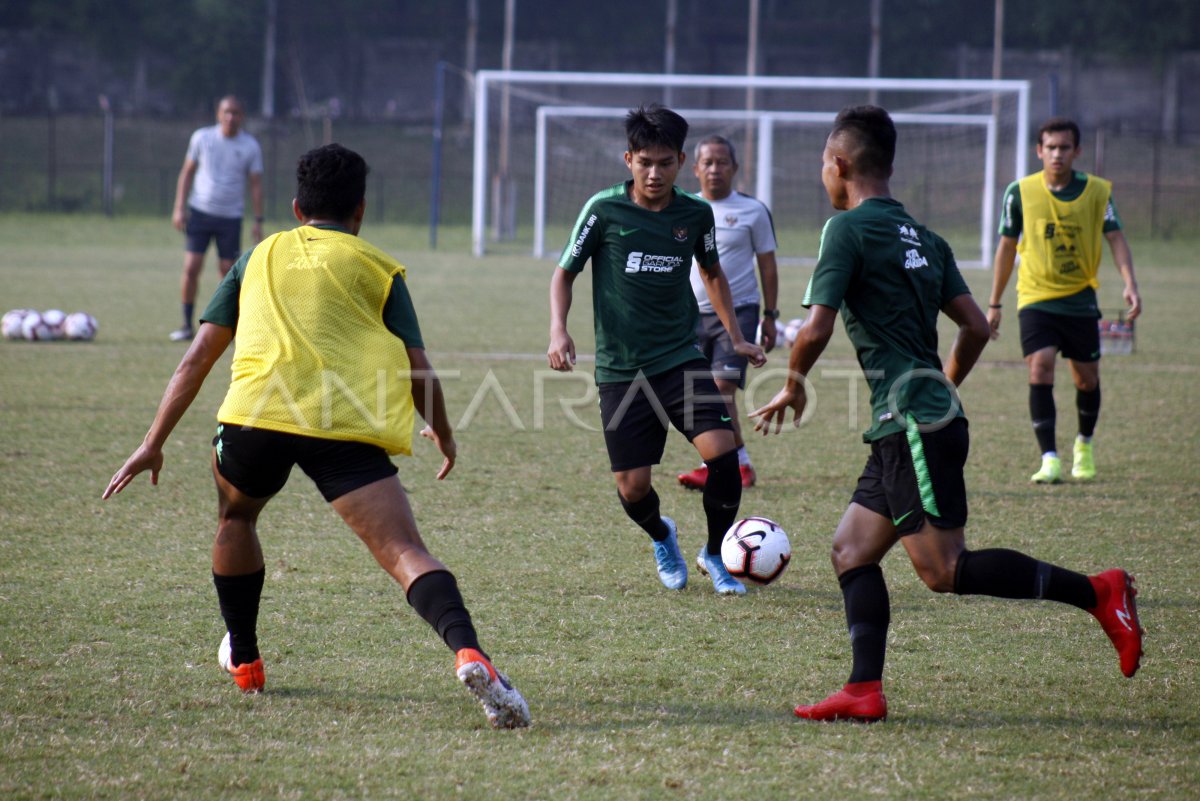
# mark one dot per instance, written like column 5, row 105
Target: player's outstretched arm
column 1002, row 267
column 717, row 287
column 973, row 335
column 561, row 353
column 1123, row 257
column 811, row 339
column 431, row 405
column 210, row 342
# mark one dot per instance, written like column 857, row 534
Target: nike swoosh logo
column 1124, row 617
column 627, row 231
column 898, row 520
column 725, row 418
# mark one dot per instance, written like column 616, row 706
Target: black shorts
column 258, row 461
column 912, row 477
column 636, row 414
column 1078, row 338
column 726, row 363
column 203, row 228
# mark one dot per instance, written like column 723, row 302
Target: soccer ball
column 80, row 326
column 757, row 549
column 10, row 325
column 792, row 329
column 34, row 328
column 54, row 318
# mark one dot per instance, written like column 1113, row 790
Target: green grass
column 109, row 626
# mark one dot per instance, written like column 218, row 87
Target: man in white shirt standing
column 745, row 235
column 220, row 160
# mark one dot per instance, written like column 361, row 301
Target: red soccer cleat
column 862, row 701
column 748, row 476
column 1117, row 612
column 695, row 479
column 249, row 676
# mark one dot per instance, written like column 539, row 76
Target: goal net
column 545, row 142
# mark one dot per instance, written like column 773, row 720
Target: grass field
column 108, row 625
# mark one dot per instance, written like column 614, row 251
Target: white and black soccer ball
column 54, row 319
column 10, row 325
column 757, row 549
column 34, row 328
column 788, row 332
column 80, row 326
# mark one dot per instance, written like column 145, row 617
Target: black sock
column 1088, row 406
column 1043, row 414
column 722, row 497
column 238, row 597
column 868, row 613
column 189, row 309
column 1002, row 573
column 645, row 513
column 436, row 599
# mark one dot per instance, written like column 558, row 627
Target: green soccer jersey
column 645, row 312
column 890, row 277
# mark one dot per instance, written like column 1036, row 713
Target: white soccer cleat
column 502, row 702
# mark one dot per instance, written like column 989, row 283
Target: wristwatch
column 772, row 313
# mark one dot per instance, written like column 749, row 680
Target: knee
column 938, row 574
column 1087, row 383
column 633, row 489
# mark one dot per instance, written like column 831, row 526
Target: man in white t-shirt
column 745, row 235
column 220, row 160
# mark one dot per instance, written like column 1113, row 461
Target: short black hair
column 716, row 139
column 872, row 135
column 1056, row 124
column 653, row 125
column 330, row 182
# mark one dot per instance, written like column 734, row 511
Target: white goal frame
column 765, row 147
column 484, row 79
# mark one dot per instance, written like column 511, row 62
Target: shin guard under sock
column 1087, row 404
column 868, row 614
column 645, row 513
column 436, row 598
column 722, row 497
column 238, row 597
column 1044, row 415
column 1003, row 573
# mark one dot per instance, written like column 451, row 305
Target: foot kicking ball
column 756, row 549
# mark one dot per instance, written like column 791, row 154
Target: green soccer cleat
column 1084, row 467
column 1051, row 472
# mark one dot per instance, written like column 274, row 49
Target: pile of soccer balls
column 51, row 324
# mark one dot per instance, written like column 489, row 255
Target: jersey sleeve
column 1010, row 212
column 223, row 308
column 762, row 232
column 585, row 239
column 1112, row 221
column 399, row 315
column 837, row 260
column 256, row 160
column 705, row 252
column 193, row 149
column 953, row 284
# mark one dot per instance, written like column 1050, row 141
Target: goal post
column 767, row 122
column 961, row 142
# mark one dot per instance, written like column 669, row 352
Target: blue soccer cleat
column 672, row 569
column 715, row 569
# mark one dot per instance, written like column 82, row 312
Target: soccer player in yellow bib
column 1056, row 220
column 328, row 368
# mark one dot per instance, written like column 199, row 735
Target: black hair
column 1056, row 124
column 330, row 182
column 716, row 139
column 872, row 138
column 653, row 125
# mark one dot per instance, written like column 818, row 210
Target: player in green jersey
column 641, row 236
column 890, row 277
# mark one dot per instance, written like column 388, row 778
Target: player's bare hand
column 770, row 334
column 561, row 353
column 993, row 318
column 752, row 352
column 1134, row 301
column 141, row 460
column 775, row 411
column 179, row 220
column 448, row 448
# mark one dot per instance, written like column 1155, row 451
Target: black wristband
column 994, row 306
column 258, row 219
